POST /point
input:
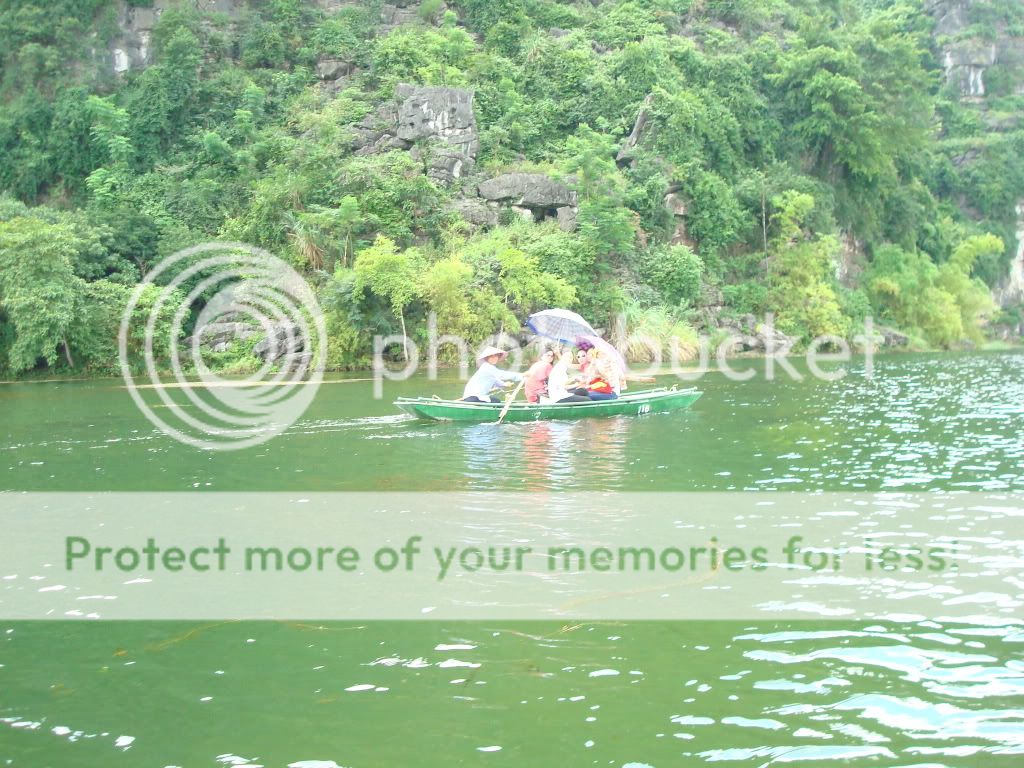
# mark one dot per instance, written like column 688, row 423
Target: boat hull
column 635, row 404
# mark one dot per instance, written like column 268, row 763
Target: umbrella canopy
column 606, row 349
column 559, row 324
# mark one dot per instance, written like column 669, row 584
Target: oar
column 640, row 379
column 508, row 401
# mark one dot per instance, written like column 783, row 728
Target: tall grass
column 654, row 334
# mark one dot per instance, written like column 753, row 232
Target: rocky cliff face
column 435, row 123
column 968, row 61
column 131, row 48
column 965, row 58
column 1011, row 291
column 438, row 126
column 533, row 196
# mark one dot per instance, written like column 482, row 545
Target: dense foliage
column 799, row 136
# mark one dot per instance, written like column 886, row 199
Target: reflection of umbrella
column 606, row 349
column 559, row 324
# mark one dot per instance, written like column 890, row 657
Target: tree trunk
column 764, row 228
column 405, row 336
column 67, row 353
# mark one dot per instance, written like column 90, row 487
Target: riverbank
column 50, row 376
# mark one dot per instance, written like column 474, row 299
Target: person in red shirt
column 604, row 378
column 537, row 377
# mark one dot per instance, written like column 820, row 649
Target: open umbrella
column 559, row 324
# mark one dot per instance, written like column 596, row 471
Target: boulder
column 965, row 56
column 533, row 196
column 526, row 214
column 333, row 6
column 400, row 12
column 444, row 164
column 640, row 128
column 331, row 69
column 950, row 15
column 567, row 218
column 282, row 339
column 676, row 204
column 710, row 305
column 851, row 260
column 131, row 48
column 528, row 190
column 751, row 336
column 374, row 127
column 216, row 334
column 891, row 337
column 296, row 361
column 475, row 211
column 771, row 338
column 445, row 113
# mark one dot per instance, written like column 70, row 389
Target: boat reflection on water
column 547, row 455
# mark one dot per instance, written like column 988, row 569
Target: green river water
column 818, row 692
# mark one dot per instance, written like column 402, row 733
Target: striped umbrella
column 559, row 324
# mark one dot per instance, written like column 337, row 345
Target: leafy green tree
column 714, row 216
column 626, row 22
column 515, row 276
column 447, row 287
column 422, row 55
column 347, row 219
column 972, row 297
column 482, row 15
column 322, row 235
column 801, row 288
column 162, row 101
column 346, row 35
column 674, row 271
column 108, row 131
column 391, row 274
column 39, row 290
column 602, row 217
column 229, row 133
column 940, row 302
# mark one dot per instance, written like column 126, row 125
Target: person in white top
column 488, row 376
column 559, row 383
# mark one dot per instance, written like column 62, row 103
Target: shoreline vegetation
column 685, row 165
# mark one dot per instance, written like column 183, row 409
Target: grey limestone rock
column 529, row 190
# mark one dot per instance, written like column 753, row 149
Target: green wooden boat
column 632, row 404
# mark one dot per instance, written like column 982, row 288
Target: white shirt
column 557, row 380
column 486, row 378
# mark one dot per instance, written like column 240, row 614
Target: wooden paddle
column 640, row 379
column 508, row 401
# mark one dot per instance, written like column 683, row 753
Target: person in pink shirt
column 537, row 377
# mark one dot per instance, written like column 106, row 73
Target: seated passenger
column 537, row 377
column 583, row 357
column 605, row 378
column 488, row 376
column 559, row 383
